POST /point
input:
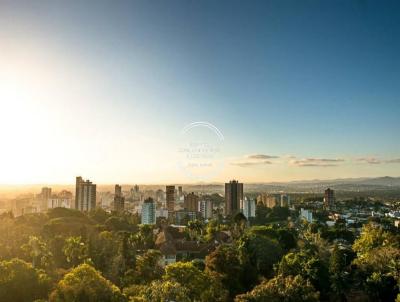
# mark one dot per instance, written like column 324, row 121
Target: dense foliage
column 66, row 255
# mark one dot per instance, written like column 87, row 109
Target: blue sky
column 306, row 79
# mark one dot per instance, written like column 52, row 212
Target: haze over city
column 299, row 90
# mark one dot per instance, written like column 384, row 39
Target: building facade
column 85, row 195
column 149, row 211
column 58, row 202
column 191, row 202
column 233, row 197
column 170, row 198
column 249, row 208
column 206, row 208
column 329, row 198
column 306, row 215
column 269, row 200
column 119, row 200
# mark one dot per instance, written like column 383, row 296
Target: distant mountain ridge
column 315, row 186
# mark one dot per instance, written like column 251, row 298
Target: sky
column 187, row 91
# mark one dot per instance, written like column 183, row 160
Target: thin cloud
column 261, row 156
column 369, row 160
column 393, row 161
column 317, row 162
column 251, row 163
column 253, row 160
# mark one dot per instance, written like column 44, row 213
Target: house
column 174, row 246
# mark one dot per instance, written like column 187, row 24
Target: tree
column 261, row 251
column 262, row 213
column 308, row 266
column 166, row 291
column 115, row 223
column 339, row 276
column 128, row 251
column 75, row 250
column 187, row 275
column 383, row 259
column 224, row 263
column 278, row 214
column 38, row 252
column 378, row 270
column 381, row 287
column 56, row 244
column 84, row 283
column 147, row 268
column 195, row 228
column 372, row 236
column 99, row 215
column 281, row 289
column 287, row 239
column 20, row 282
column 144, row 238
column 201, row 286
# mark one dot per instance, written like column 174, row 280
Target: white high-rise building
column 306, row 214
column 249, row 208
column 205, row 208
column 149, row 211
column 85, row 195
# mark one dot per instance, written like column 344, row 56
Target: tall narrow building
column 233, row 197
column 44, row 197
column 249, row 207
column 206, row 209
column 149, row 211
column 170, row 198
column 85, row 195
column 329, row 198
column 191, row 202
column 119, row 200
column 46, row 193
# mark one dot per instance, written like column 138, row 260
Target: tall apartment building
column 45, row 193
column 233, row 197
column 43, row 197
column 85, row 195
column 149, row 211
column 205, row 208
column 119, row 200
column 170, row 198
column 249, row 207
column 191, row 202
column 329, row 198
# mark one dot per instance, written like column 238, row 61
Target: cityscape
column 184, row 232
column 199, row 151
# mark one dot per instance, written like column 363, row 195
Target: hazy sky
column 103, row 89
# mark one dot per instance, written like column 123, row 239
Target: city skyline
column 299, row 91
